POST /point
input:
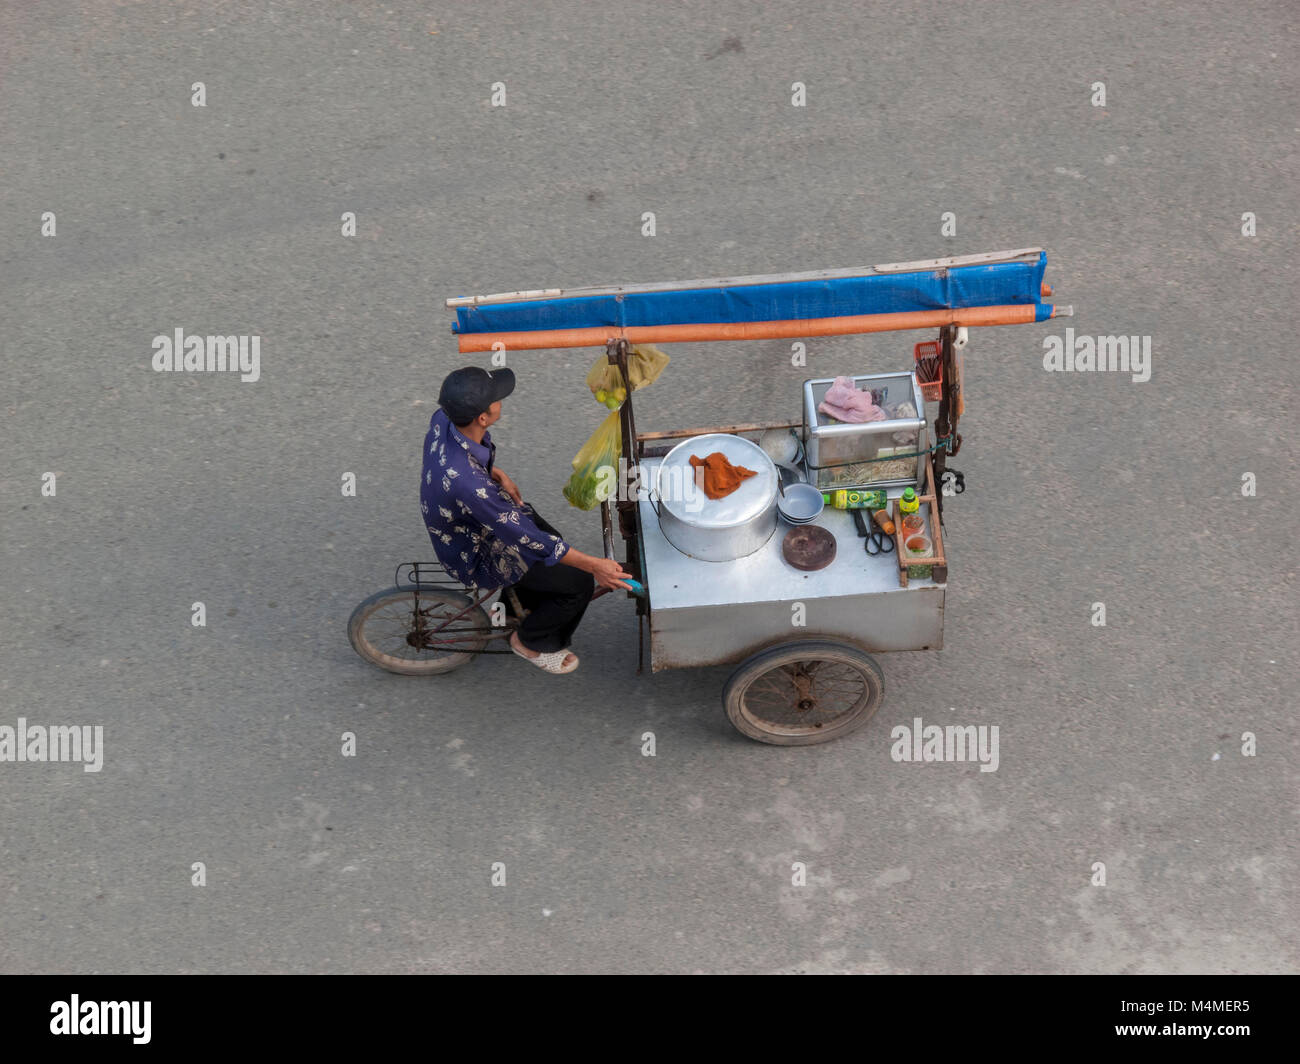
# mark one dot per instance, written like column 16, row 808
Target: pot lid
column 684, row 497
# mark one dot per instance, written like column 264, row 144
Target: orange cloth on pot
column 721, row 478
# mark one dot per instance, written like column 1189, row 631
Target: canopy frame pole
column 616, row 353
column 945, row 422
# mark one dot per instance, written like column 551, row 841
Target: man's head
column 472, row 396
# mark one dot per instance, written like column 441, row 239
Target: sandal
column 552, row 662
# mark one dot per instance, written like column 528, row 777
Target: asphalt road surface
column 1120, row 745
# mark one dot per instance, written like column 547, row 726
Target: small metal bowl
column 800, row 504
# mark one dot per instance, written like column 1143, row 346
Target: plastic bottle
column 909, row 503
column 855, row 499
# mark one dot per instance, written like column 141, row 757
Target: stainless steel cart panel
column 717, row 613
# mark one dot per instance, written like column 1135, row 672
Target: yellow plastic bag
column 604, row 377
column 595, row 467
column 644, row 364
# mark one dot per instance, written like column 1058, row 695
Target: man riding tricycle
column 794, row 550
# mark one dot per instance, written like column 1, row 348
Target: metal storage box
column 844, row 455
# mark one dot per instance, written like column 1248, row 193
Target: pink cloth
column 844, row 402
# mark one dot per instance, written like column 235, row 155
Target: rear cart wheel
column 395, row 629
column 799, row 694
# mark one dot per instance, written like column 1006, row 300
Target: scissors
column 877, row 541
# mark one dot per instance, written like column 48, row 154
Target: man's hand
column 609, row 573
column 507, row 485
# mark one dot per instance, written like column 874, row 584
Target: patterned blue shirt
column 479, row 535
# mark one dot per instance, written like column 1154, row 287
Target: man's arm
column 491, row 507
column 607, row 571
column 507, row 485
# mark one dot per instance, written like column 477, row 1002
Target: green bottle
column 851, row 499
column 909, row 503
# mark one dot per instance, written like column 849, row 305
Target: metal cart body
column 720, row 613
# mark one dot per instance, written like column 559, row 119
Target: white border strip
column 731, row 282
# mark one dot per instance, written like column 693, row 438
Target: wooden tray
column 937, row 559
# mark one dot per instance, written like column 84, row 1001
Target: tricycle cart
column 801, row 629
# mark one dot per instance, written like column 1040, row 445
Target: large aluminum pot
column 716, row 530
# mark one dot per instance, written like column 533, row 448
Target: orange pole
column 756, row 330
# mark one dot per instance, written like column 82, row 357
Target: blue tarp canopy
column 877, row 291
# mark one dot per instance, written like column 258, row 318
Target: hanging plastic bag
column 604, row 380
column 595, row 467
column 644, row 364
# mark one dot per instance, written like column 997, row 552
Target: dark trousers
column 556, row 597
